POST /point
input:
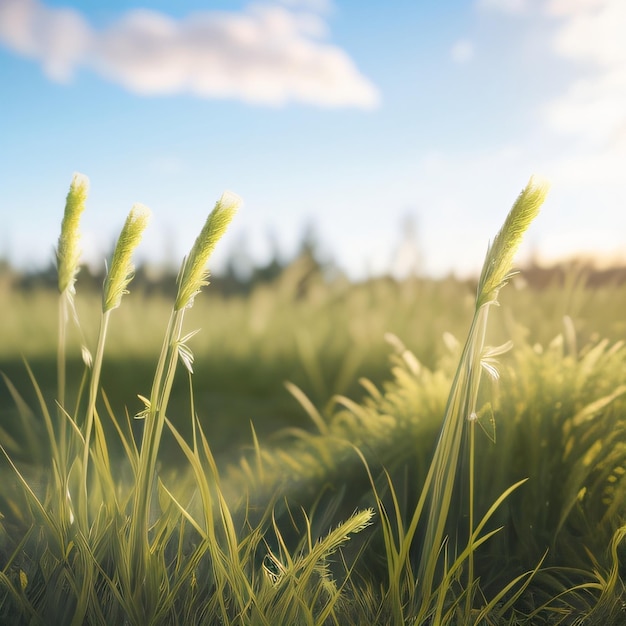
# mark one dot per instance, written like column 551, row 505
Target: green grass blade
column 463, row 395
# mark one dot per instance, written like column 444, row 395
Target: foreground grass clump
column 102, row 540
column 353, row 524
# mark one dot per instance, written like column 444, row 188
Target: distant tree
column 407, row 258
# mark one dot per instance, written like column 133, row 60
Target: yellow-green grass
column 322, row 342
column 98, row 539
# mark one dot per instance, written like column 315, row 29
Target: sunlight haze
column 353, row 117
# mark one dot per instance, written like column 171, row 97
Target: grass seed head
column 121, row 271
column 194, row 272
column 68, row 250
column 497, row 267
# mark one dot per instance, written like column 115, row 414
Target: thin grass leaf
column 308, row 406
column 45, row 515
column 127, row 439
column 499, row 610
column 56, row 457
column 27, row 418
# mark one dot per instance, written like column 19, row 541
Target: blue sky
column 351, row 115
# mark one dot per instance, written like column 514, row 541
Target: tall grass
column 107, row 540
column 98, row 551
column 68, row 265
column 461, row 414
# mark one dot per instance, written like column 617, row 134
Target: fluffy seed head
column 121, row 271
column 194, row 273
column 497, row 267
column 68, row 250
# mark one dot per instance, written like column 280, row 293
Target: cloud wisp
column 265, row 54
column 591, row 113
column 592, row 35
column 588, row 118
column 462, row 51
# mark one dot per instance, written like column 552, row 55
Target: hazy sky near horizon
column 348, row 115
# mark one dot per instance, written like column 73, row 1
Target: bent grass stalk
column 461, row 409
column 115, row 286
column 192, row 278
column 437, row 492
column 461, row 412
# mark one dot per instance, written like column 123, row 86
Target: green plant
column 96, row 548
column 289, row 536
column 462, row 413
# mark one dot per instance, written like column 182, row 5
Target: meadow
column 336, row 460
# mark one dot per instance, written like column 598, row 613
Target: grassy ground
column 248, row 346
column 337, row 461
column 322, row 341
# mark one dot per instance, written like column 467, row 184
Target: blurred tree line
column 239, row 276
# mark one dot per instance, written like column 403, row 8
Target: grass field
column 313, row 502
column 323, row 341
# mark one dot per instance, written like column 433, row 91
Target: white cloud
column 267, row 54
column 462, row 51
column 591, row 31
column 564, row 7
column 592, row 111
column 505, row 6
column 586, row 123
column 57, row 37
